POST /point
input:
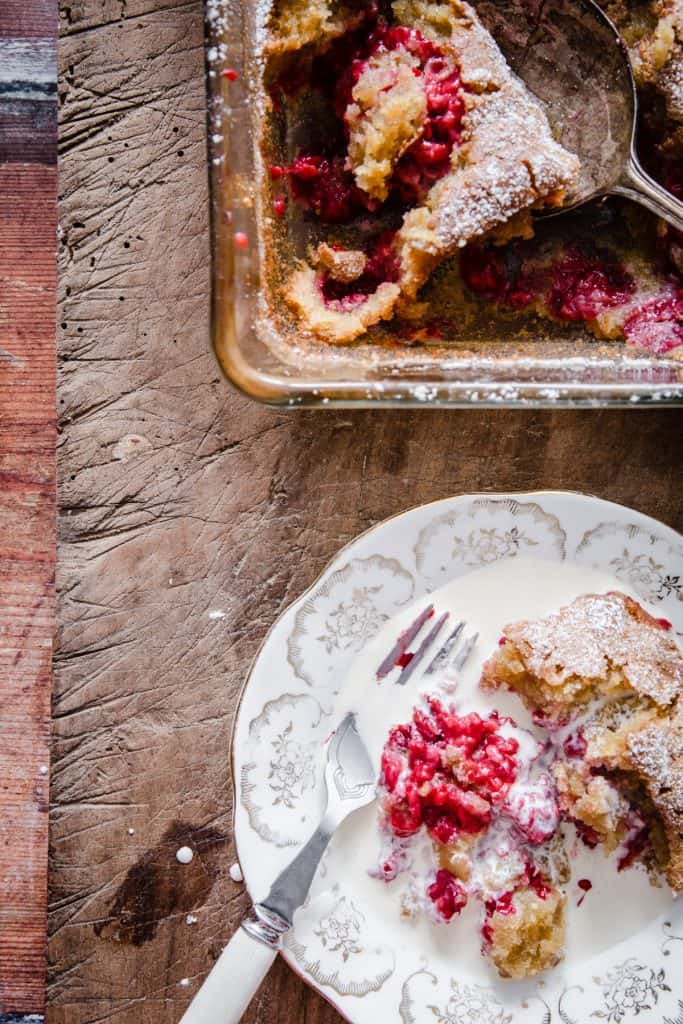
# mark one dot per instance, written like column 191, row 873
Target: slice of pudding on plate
column 606, row 677
column 435, row 121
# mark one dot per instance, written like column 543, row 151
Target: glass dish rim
column 428, row 390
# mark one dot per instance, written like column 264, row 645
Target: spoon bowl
column 572, row 58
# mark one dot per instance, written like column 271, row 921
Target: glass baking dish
column 494, row 361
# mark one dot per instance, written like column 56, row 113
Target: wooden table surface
column 28, row 180
column 177, row 496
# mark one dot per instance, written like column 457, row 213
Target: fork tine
column 422, row 650
column 463, row 654
column 443, row 652
column 403, row 642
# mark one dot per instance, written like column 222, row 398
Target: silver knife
column 350, row 784
column 237, row 974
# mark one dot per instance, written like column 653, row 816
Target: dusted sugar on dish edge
column 432, row 113
column 490, row 797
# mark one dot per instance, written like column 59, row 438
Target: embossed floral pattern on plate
column 468, row 537
column 284, row 769
column 333, row 943
column 425, row 997
column 647, row 561
column 345, row 611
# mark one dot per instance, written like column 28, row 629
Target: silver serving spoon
column 571, row 56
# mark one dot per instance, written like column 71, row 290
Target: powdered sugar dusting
column 511, row 161
column 596, row 636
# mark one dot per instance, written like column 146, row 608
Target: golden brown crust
column 608, row 645
column 592, row 801
column 608, row 733
column 601, row 644
column 387, row 115
column 336, row 325
column 343, row 265
column 297, row 24
column 657, row 755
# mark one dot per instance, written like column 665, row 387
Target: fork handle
column 639, row 186
column 232, row 983
column 290, row 888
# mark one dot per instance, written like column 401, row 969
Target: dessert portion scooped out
column 437, row 132
column 499, row 805
column 480, row 789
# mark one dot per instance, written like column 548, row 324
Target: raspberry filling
column 657, row 325
column 584, row 285
column 531, row 879
column 534, row 809
column 448, row 895
column 576, row 287
column 322, row 185
column 446, row 772
column 382, row 265
column 429, row 157
column 636, row 844
column 498, row 275
column 575, row 745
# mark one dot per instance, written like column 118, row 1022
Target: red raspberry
column 448, row 895
column 392, row 766
column 406, row 814
column 575, row 744
column 585, row 284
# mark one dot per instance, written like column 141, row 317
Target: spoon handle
column 639, row 186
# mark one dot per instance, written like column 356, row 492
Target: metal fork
column 450, row 656
column 237, row 974
column 350, row 784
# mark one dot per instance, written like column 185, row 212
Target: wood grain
column 178, row 496
column 28, row 226
column 27, row 552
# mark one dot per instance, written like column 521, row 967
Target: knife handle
column 232, row 983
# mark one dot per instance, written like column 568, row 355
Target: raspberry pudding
column 398, row 129
column 528, row 830
column 437, row 134
column 606, row 661
column 474, row 785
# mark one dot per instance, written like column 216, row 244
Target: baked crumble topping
column 434, row 119
column 477, row 787
column 601, row 644
column 606, row 662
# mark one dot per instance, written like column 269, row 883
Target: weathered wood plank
column 178, row 497
column 27, row 19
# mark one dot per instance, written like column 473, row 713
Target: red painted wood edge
column 28, row 226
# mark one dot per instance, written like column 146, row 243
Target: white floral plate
column 339, row 944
